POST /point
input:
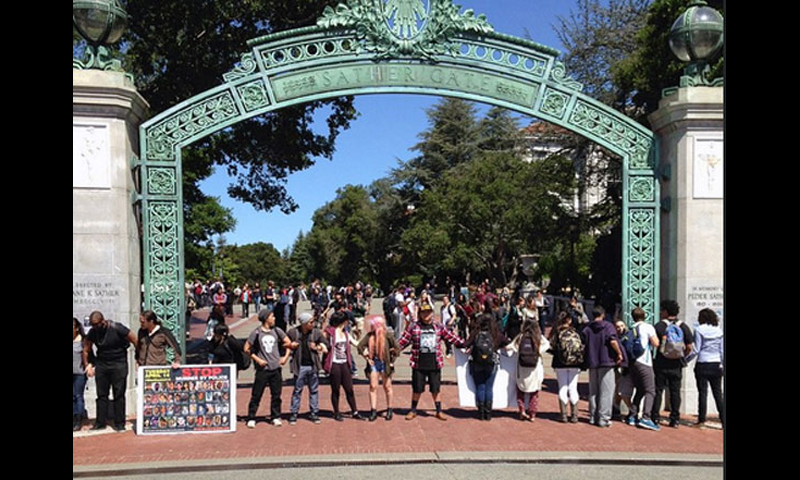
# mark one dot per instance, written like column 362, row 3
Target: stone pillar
column 689, row 126
column 106, row 258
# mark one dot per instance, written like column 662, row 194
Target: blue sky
column 387, row 127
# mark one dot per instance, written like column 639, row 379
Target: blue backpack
column 674, row 348
column 633, row 344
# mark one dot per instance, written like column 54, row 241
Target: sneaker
column 119, row 428
column 251, row 424
column 411, row 415
column 315, row 419
column 648, row 424
column 389, row 415
column 631, row 421
column 293, row 419
column 440, row 416
column 357, row 416
column 673, row 424
column 277, row 422
column 97, row 426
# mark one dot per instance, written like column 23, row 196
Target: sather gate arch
column 396, row 46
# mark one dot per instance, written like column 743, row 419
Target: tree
column 450, row 140
column 651, row 67
column 255, row 262
column 176, row 49
column 343, row 237
column 487, row 213
column 597, row 36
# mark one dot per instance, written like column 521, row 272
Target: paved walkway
column 362, row 440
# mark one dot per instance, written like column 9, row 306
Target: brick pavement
column 462, row 432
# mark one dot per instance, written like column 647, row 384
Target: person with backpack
column 483, row 342
column 529, row 345
column 225, row 348
column 307, row 345
column 603, row 354
column 262, row 347
column 641, row 337
column 425, row 337
column 568, row 358
column 676, row 340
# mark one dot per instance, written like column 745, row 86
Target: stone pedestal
column 689, row 125
column 106, row 258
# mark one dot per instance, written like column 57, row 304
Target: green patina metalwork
column 392, row 46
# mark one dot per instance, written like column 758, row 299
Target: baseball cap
column 425, row 308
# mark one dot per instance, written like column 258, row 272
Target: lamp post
column 695, row 38
column 100, row 23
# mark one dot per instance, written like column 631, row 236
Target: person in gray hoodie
column 603, row 353
column 709, row 350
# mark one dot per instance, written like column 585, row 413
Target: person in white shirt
column 641, row 371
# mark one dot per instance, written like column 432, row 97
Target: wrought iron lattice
column 371, row 46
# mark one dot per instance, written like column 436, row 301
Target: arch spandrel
column 353, row 51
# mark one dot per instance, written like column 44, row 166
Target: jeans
column 264, row 378
column 111, row 377
column 78, row 387
column 601, row 395
column 668, row 379
column 484, row 384
column 705, row 374
column 307, row 376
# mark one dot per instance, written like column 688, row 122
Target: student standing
column 262, row 346
column 425, row 337
column 378, row 346
column 307, row 345
column 339, row 364
column 529, row 345
column 603, row 353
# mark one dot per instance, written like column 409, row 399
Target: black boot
column 488, row 408
column 76, row 423
column 481, row 412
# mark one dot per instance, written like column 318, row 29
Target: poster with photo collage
column 189, row 399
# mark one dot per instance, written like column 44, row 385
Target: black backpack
column 483, row 350
column 528, row 353
column 243, row 361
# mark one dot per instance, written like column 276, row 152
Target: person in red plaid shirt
column 426, row 337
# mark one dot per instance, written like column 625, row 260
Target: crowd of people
column 631, row 363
